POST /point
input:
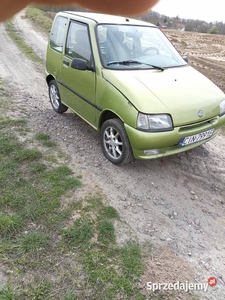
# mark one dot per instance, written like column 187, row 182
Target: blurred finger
column 130, row 7
column 123, row 7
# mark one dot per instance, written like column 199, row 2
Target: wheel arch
column 107, row 115
column 49, row 78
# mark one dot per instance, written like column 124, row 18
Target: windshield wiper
column 129, row 62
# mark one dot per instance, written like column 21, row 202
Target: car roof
column 107, row 18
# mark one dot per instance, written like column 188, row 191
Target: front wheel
column 55, row 99
column 114, row 141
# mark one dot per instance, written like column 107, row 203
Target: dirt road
column 177, row 203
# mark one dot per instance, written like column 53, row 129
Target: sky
column 207, row 10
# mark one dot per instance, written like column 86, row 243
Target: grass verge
column 46, row 254
column 50, row 249
column 19, row 41
column 42, row 20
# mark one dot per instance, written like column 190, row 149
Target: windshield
column 136, row 47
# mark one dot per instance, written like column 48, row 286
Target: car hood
column 180, row 92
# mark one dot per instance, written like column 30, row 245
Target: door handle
column 66, row 63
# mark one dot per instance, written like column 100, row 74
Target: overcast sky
column 208, row 10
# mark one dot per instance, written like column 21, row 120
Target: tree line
column 186, row 24
column 160, row 19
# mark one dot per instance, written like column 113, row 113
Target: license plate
column 188, row 140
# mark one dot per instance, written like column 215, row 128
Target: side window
column 78, row 42
column 58, row 34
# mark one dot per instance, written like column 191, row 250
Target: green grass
column 19, row 41
column 42, row 291
column 10, row 224
column 5, row 103
column 109, row 212
column 6, row 121
column 79, row 234
column 131, row 260
column 37, row 167
column 111, row 271
column 50, row 249
column 106, row 232
column 46, row 139
column 39, row 18
column 7, row 293
column 32, row 242
column 39, row 238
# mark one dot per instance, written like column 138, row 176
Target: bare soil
column 176, row 203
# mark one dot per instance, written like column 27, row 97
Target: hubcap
column 54, row 96
column 113, row 143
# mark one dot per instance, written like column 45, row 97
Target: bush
column 214, row 30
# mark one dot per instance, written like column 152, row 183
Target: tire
column 114, row 141
column 55, row 99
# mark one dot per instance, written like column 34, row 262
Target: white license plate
column 188, row 140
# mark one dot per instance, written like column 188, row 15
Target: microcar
column 125, row 78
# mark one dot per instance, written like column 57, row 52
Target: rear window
column 58, row 32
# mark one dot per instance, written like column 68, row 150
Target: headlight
column 154, row 122
column 222, row 108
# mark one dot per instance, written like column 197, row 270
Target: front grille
column 197, row 126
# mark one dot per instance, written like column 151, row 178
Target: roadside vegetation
column 54, row 245
column 19, row 41
column 40, row 18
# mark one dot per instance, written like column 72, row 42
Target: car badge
column 200, row 113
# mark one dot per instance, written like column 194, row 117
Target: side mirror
column 79, row 64
column 185, row 58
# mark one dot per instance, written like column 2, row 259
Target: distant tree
column 189, row 26
column 221, row 27
column 214, row 30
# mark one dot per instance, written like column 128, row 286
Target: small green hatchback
column 125, row 78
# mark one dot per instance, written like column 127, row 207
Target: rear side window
column 58, row 33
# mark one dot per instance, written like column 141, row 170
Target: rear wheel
column 114, row 141
column 55, row 99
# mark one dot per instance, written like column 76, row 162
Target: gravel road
column 176, row 203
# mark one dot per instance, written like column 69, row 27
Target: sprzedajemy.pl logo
column 182, row 286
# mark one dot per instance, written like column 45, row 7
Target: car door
column 79, row 85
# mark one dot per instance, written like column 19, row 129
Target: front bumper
column 166, row 143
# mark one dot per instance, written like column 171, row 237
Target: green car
column 125, row 78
